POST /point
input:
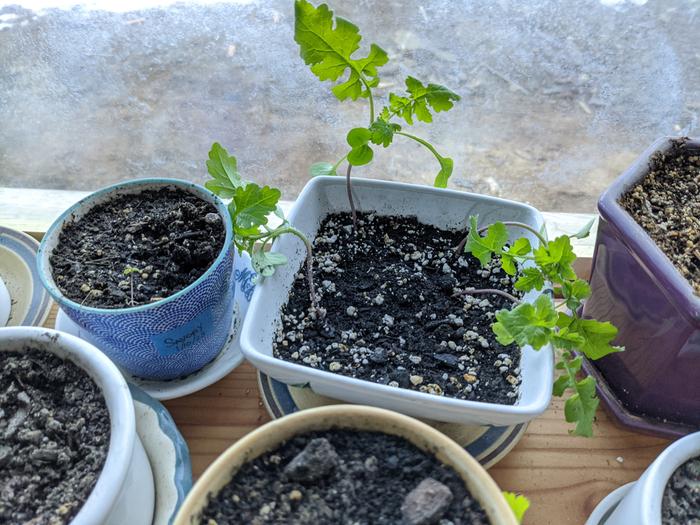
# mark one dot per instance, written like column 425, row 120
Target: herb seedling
column 129, row 272
column 518, row 504
column 327, row 45
column 249, row 209
column 547, row 267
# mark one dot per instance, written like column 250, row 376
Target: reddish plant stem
column 473, row 291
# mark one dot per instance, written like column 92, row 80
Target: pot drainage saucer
column 606, row 507
column 488, row 445
column 227, row 359
column 167, row 454
column 29, row 302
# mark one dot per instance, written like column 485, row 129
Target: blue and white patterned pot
column 166, row 339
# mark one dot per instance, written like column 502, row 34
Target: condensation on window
column 557, row 97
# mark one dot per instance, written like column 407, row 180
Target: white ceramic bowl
column 124, row 492
column 442, row 208
column 641, row 504
column 5, row 304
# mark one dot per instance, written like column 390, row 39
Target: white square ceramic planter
column 442, row 208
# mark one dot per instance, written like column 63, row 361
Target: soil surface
column 344, row 477
column 136, row 249
column 391, row 317
column 681, row 503
column 666, row 203
column 54, row 435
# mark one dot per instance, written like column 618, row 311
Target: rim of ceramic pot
column 660, row 267
column 657, row 476
column 115, row 391
column 55, row 229
column 350, row 417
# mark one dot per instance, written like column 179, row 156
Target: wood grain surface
column 564, row 476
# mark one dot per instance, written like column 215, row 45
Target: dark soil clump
column 54, row 435
column 681, row 503
column 343, row 477
column 391, row 315
column 136, row 249
column 666, row 203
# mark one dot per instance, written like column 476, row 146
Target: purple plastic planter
column 654, row 386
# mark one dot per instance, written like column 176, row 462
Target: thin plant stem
column 348, row 185
column 515, row 224
column 474, row 291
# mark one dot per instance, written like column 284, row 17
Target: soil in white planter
column 681, row 503
column 391, row 315
column 137, row 248
column 345, row 477
column 54, row 435
column 666, row 203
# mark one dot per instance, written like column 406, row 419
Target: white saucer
column 30, row 304
column 606, row 507
column 228, row 359
column 5, row 304
column 167, row 454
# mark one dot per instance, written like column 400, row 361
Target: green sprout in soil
column 518, row 504
column 327, row 45
column 547, row 267
column 249, row 208
column 129, row 272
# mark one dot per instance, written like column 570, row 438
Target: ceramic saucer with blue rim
column 488, row 445
column 30, row 304
column 167, row 453
column 606, row 507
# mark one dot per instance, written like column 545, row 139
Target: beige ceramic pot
column 352, row 417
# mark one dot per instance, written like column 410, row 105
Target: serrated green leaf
column 382, row 132
column 585, row 231
column 421, row 99
column 223, row 168
column 574, row 292
column 328, row 49
column 527, row 324
column 264, row 263
column 555, row 259
column 530, row 279
column 484, row 247
column 560, row 384
column 519, row 248
column 320, row 169
column 518, row 504
column 446, row 166
column 581, row 407
column 596, row 336
column 251, row 205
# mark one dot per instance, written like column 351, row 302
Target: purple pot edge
column 676, row 287
column 628, row 420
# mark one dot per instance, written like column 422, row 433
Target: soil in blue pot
column 666, row 203
column 54, row 435
column 343, row 477
column 681, row 503
column 136, row 249
column 394, row 313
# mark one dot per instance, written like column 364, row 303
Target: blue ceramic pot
column 166, row 339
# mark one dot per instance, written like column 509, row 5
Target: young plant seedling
column 327, row 44
column 542, row 322
column 249, row 209
column 518, row 504
column 129, row 272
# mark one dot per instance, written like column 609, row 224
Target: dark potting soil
column 343, row 477
column 391, row 316
column 681, row 503
column 54, row 435
column 136, row 249
column 666, row 203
